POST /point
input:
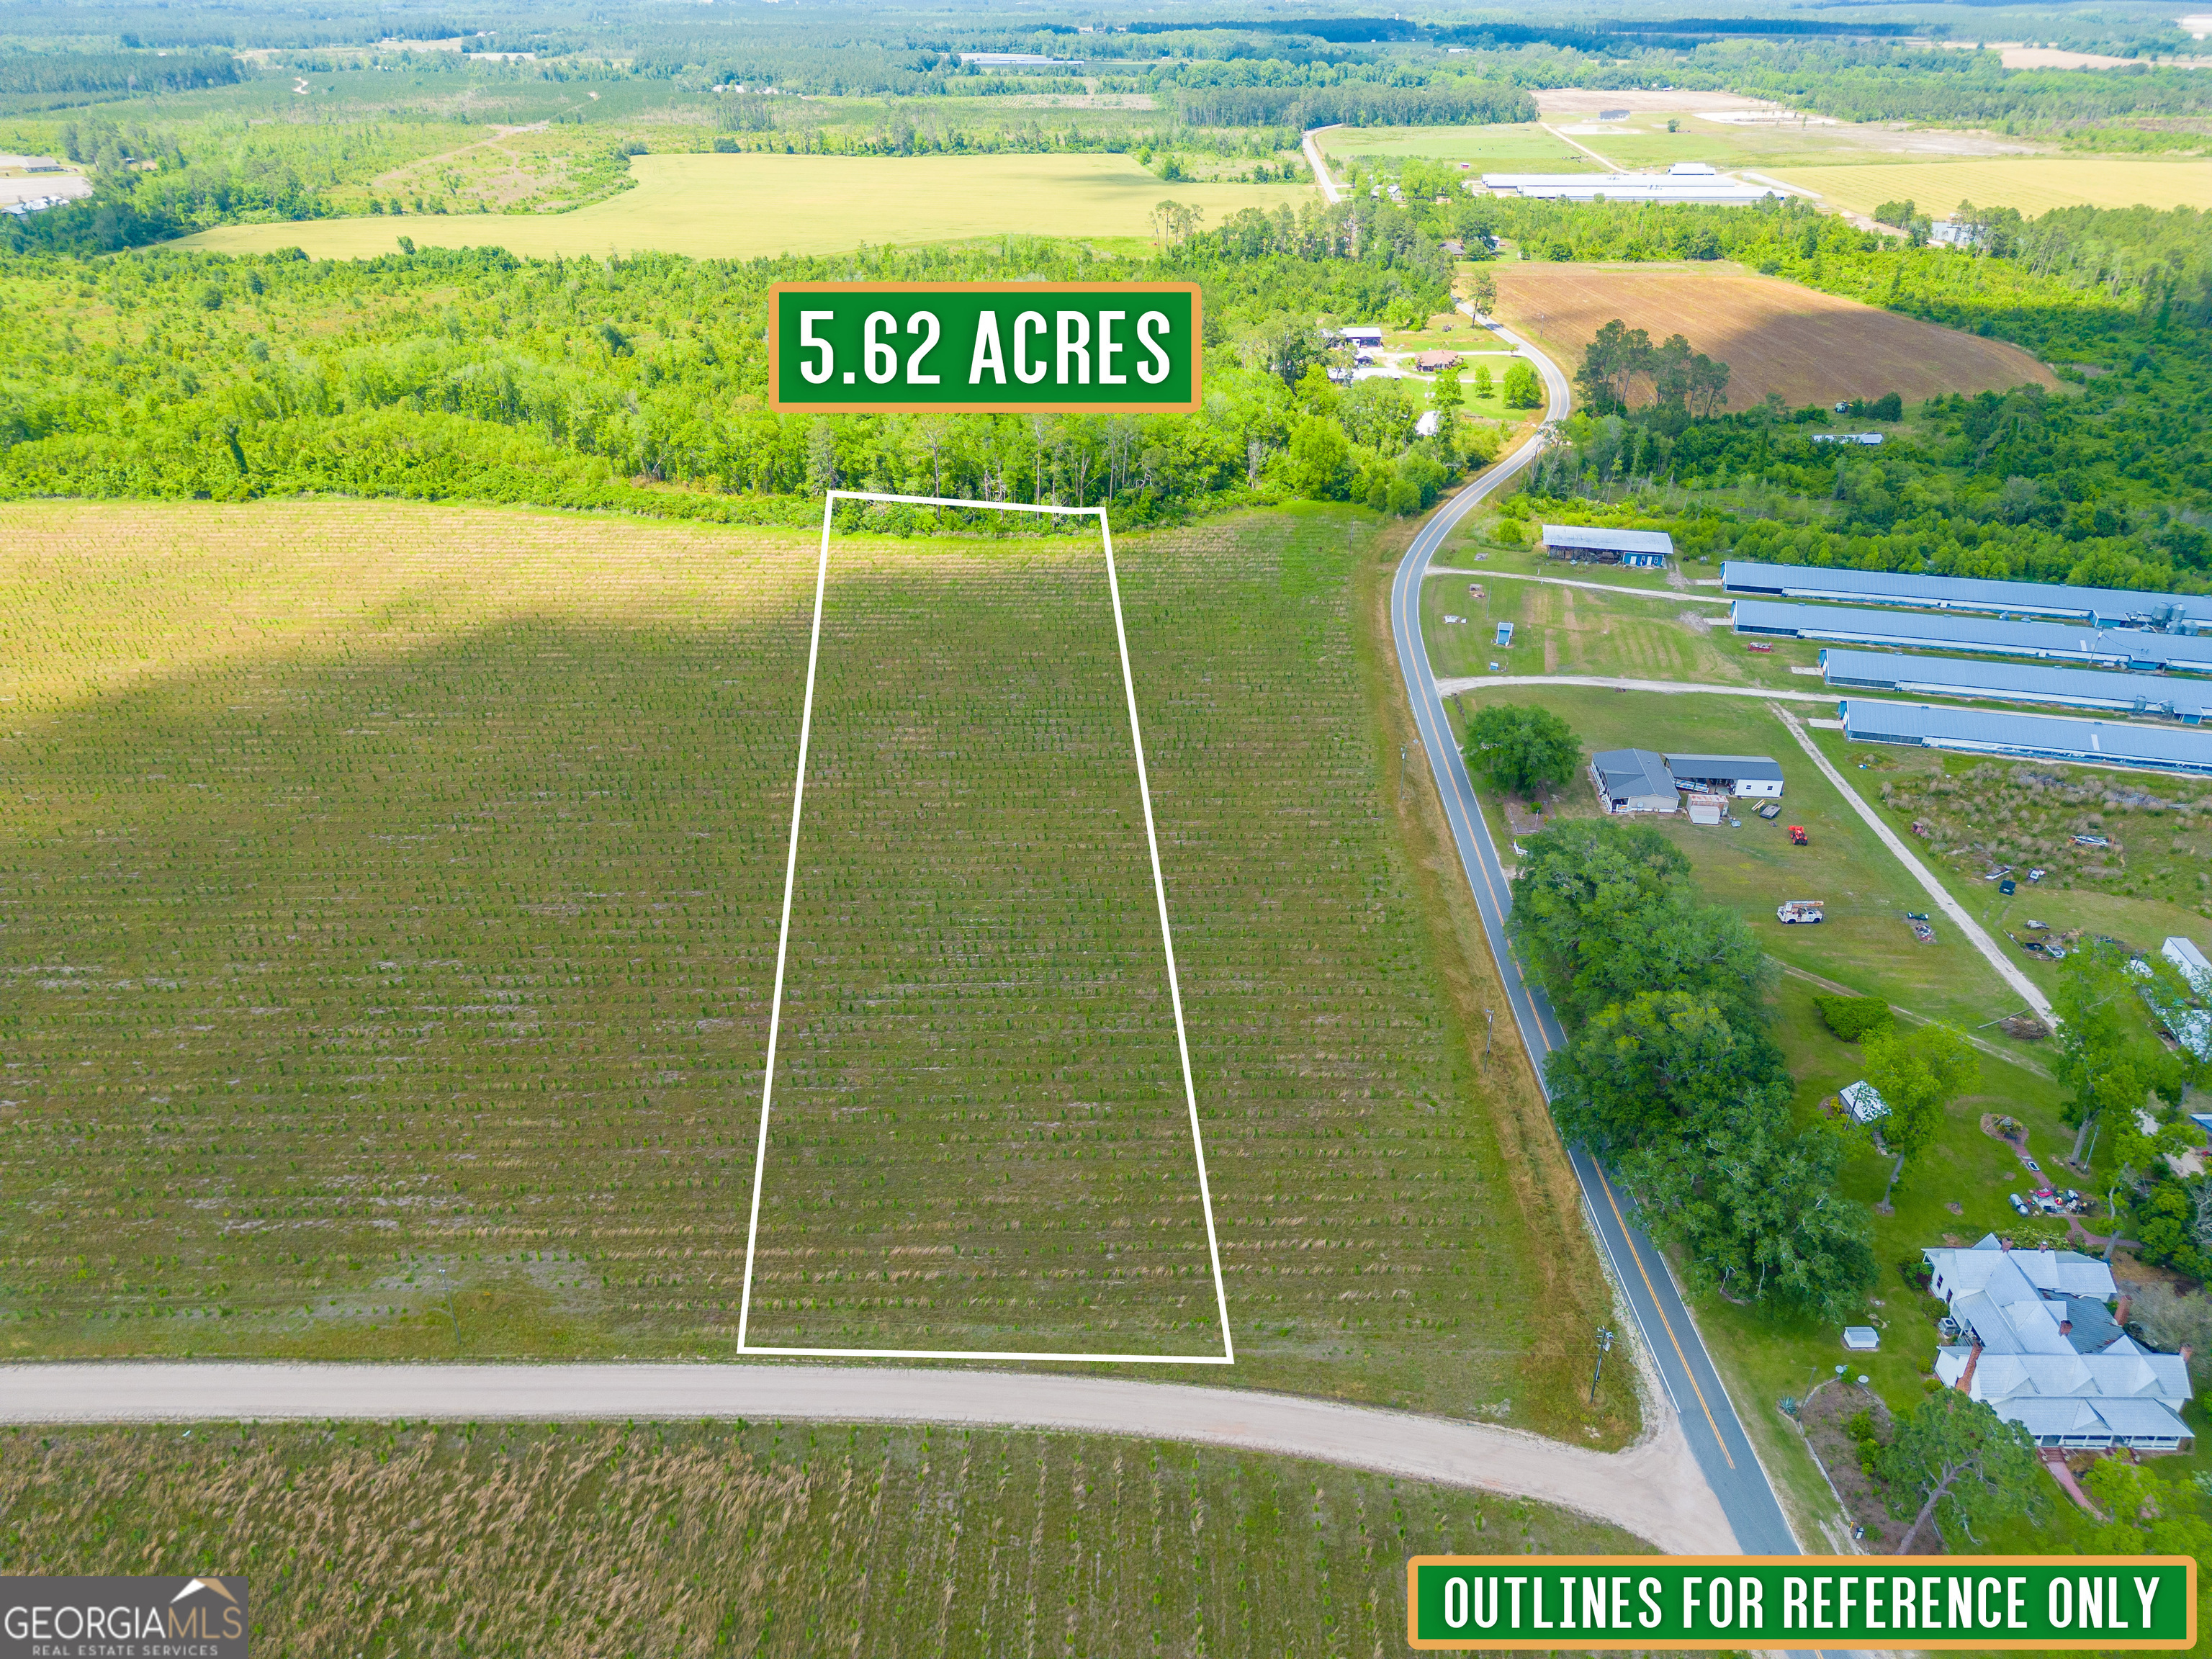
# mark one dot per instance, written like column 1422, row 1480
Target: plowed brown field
column 1774, row 336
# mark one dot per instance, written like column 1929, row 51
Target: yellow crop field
column 2031, row 184
column 744, row 207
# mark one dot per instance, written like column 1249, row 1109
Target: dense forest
column 639, row 382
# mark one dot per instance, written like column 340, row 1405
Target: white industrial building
column 1684, row 181
column 2038, row 1345
column 2101, row 607
column 1746, row 776
column 2176, row 697
column 1578, row 544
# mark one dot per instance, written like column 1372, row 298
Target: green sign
column 985, row 348
column 1801, row 1601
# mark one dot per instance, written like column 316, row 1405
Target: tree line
column 1670, row 1074
column 641, row 383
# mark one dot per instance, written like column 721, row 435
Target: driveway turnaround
column 1715, row 1435
column 1653, row 1489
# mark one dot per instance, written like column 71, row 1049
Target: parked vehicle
column 1798, row 837
column 1801, row 910
column 2092, row 840
column 1759, row 647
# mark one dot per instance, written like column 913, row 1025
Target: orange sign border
column 1843, row 1563
column 775, row 353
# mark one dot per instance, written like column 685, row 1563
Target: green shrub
column 1853, row 1017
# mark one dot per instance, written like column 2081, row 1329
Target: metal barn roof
column 1720, row 188
column 2028, row 736
column 2105, row 607
column 1600, row 540
column 2109, row 648
column 2181, row 699
column 1725, row 766
column 1634, row 774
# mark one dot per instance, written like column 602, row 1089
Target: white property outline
column 1228, row 1354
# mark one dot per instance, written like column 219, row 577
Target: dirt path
column 1330, row 192
column 1654, row 1488
column 1595, row 587
column 1950, row 907
column 1982, row 1043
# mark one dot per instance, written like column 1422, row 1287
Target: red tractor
column 1798, row 837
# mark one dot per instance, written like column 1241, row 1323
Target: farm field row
column 749, row 206
column 391, row 905
column 977, row 1004
column 1776, row 337
column 587, row 1539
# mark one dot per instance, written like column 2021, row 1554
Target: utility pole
column 1489, row 1030
column 1604, row 1347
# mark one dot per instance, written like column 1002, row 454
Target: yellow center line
column 1650, row 1289
column 1661, row 1312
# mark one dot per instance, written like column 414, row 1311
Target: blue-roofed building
column 2028, row 736
column 2186, row 700
column 2136, row 648
column 2101, row 607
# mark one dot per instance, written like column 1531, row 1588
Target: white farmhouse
column 2041, row 1349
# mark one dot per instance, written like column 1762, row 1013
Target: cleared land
column 2032, row 185
column 977, row 1005
column 390, row 897
column 744, row 207
column 1517, row 146
column 674, row 1538
column 1809, row 347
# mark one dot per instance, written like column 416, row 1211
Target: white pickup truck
column 1801, row 910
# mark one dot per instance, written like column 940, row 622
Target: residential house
column 2038, row 1345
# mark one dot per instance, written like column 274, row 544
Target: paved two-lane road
column 1715, row 1434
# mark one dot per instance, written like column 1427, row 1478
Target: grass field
column 977, row 1005
column 1518, row 146
column 744, row 207
column 766, row 1539
column 391, row 896
column 1775, row 336
column 2033, row 184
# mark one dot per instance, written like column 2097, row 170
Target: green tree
column 1449, row 395
column 1520, row 748
column 1601, row 911
column 2106, row 1062
column 1961, row 1464
column 1638, row 1070
column 1483, row 384
column 1918, row 1073
column 1319, row 459
column 1522, row 389
column 1754, row 1207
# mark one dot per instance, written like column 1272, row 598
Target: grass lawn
column 391, row 897
column 770, row 1539
column 1865, row 946
column 746, row 207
